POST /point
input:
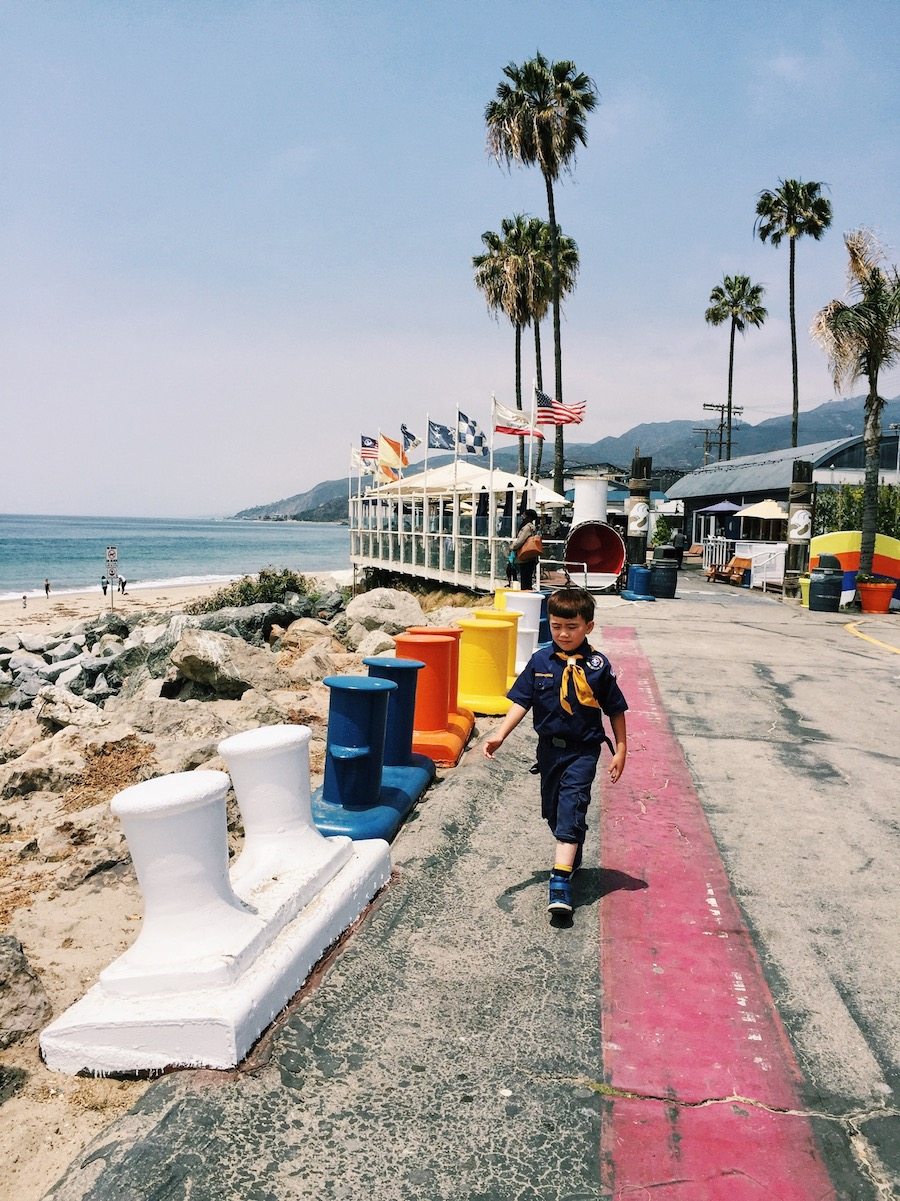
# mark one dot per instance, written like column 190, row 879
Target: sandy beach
column 70, row 922
column 58, row 611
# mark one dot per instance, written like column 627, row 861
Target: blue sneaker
column 560, row 894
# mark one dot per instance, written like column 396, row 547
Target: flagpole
column 531, row 439
column 493, row 423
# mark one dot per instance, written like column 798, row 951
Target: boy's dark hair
column 571, row 602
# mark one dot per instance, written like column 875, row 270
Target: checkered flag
column 469, row 437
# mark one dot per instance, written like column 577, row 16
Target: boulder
column 226, row 665
column 304, row 633
column 25, row 661
column 24, row 1007
column 387, row 609
column 448, row 615
column 120, row 665
column 107, row 645
column 57, row 708
column 67, row 649
column 72, row 678
column 19, row 734
column 37, row 643
column 9, row 642
column 95, row 627
column 329, row 605
column 318, row 662
column 52, row 671
column 6, row 678
column 254, row 623
column 376, row 642
column 27, row 685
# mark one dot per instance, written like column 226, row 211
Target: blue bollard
column 544, row 624
column 354, row 755
column 637, row 584
column 406, row 774
column 361, row 797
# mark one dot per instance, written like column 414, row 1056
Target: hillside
column 673, row 445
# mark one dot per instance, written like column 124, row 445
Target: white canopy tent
column 467, row 478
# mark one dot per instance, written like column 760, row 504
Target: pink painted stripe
column 687, row 1014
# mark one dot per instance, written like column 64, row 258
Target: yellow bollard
column 512, row 619
column 482, row 666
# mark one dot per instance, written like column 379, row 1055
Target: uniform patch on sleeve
column 595, row 661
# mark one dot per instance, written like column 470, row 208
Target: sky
column 237, row 234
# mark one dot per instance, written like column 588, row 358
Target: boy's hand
column 617, row 766
column 491, row 746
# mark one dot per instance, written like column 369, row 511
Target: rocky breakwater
column 108, row 702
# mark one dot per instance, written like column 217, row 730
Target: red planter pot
column 875, row 597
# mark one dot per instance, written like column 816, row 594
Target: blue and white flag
column 470, row 438
column 410, row 441
column 440, row 437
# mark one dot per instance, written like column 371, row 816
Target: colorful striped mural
column 845, row 547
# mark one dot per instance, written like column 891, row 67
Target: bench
column 731, row 573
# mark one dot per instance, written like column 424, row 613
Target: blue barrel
column 640, row 580
column 544, row 622
column 825, row 587
column 663, row 578
column 354, row 754
column 401, row 705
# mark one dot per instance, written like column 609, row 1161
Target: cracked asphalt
column 452, row 1048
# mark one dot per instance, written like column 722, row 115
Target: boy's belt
column 576, row 744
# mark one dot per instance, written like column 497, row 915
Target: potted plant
column 875, row 592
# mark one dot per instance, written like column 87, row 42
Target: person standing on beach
column 24, row 600
column 122, row 583
column 104, row 584
column 46, row 587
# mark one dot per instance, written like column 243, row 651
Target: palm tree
column 863, row 339
column 739, row 301
column 569, row 263
column 793, row 210
column 506, row 274
column 538, row 118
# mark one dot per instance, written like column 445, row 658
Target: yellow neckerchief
column 574, row 672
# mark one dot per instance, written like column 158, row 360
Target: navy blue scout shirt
column 538, row 688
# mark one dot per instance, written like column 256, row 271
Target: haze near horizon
column 239, row 236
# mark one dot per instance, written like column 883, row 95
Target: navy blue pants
column 566, row 779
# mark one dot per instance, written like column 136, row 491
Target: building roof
column 771, row 471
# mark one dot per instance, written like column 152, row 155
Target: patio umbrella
column 764, row 510
column 724, row 507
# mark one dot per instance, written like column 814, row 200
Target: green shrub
column 269, row 587
column 662, row 534
column 841, row 509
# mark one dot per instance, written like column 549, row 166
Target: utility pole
column 721, row 409
column 707, row 436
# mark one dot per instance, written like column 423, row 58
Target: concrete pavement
column 453, row 1048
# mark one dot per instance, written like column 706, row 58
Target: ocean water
column 71, row 551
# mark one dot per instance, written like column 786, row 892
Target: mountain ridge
column 672, row 444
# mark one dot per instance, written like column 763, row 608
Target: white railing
column 717, row 552
column 767, row 567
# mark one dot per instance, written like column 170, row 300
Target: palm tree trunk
column 519, row 393
column 559, row 448
column 795, row 409
column 539, row 378
column 872, row 437
column 730, row 382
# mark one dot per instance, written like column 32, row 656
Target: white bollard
column 217, row 959
column 528, row 603
column 526, row 645
column 195, row 932
column 269, row 768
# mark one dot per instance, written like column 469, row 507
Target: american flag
column 551, row 412
column 368, row 449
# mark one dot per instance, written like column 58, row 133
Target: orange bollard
column 512, row 618
column 432, row 732
column 482, row 666
column 460, row 721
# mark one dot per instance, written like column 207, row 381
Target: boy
column 567, row 684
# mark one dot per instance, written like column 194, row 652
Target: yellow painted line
column 852, row 628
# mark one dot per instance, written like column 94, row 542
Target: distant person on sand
column 46, row 587
column 104, row 584
column 24, row 601
column 122, row 583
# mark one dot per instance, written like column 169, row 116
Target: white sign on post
column 112, row 562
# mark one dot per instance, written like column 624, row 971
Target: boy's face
column 569, row 632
